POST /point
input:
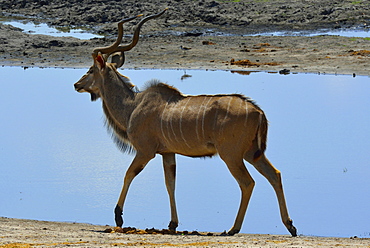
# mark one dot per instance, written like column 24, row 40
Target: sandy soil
column 215, row 32
column 27, row 233
column 198, row 25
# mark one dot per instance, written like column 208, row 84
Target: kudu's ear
column 118, row 59
column 99, row 62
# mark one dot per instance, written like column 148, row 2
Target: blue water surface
column 59, row 164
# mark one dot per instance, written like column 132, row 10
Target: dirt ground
column 217, row 32
column 18, row 233
column 219, row 35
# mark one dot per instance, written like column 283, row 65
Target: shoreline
column 295, row 54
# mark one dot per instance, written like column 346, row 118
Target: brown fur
column 161, row 120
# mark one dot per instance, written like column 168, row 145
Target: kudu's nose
column 78, row 87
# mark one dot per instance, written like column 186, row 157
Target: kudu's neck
column 118, row 99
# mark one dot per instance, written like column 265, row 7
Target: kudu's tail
column 261, row 137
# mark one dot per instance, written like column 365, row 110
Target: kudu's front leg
column 135, row 168
column 169, row 166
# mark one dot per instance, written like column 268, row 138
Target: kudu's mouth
column 93, row 95
column 79, row 88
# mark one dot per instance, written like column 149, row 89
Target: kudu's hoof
column 292, row 229
column 172, row 226
column 118, row 216
column 232, row 232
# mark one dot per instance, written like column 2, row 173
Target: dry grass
column 247, row 62
column 359, row 53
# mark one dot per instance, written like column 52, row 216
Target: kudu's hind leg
column 135, row 168
column 273, row 175
column 169, row 166
column 246, row 183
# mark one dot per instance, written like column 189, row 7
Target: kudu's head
column 101, row 70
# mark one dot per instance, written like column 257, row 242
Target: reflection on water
column 58, row 163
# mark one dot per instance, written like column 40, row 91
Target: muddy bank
column 197, row 25
column 318, row 54
column 28, row 233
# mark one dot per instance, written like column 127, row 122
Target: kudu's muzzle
column 78, row 87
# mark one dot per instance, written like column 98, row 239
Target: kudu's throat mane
column 119, row 135
column 124, row 90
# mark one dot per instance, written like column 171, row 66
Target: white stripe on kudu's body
column 197, row 119
column 180, row 122
column 246, row 115
column 161, row 120
column 204, row 116
column 227, row 112
column 170, row 117
column 162, row 117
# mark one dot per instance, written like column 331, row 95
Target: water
column 340, row 32
column 42, row 28
column 59, row 164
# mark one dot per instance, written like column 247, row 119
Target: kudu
column 161, row 120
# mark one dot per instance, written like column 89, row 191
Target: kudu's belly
column 186, row 137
